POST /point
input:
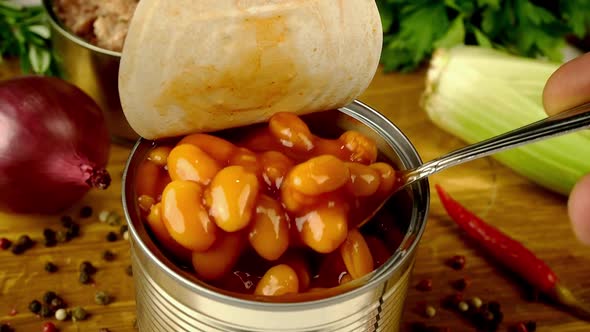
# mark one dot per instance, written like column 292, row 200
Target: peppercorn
column 84, row 278
column 531, row 326
column 73, row 231
column 476, row 302
column 87, row 268
column 49, row 237
column 57, row 303
column 61, row 236
column 78, row 313
column 25, row 241
column 108, row 255
column 49, row 233
column 111, row 236
column 5, row 243
column 61, row 314
column 452, row 301
column 6, row 328
column 85, row 212
column 460, row 284
column 123, row 229
column 66, row 221
column 35, row 306
column 102, row 297
column 424, row 285
column 463, row 306
column 18, row 249
column 429, row 311
column 104, row 329
column 49, row 296
column 45, row 311
column 103, row 216
column 114, row 219
column 129, row 270
column 49, row 327
column 488, row 317
column 50, row 267
column 457, row 262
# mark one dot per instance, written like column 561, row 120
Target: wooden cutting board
column 527, row 212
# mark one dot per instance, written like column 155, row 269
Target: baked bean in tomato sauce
column 272, row 213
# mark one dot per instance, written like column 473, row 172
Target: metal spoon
column 563, row 123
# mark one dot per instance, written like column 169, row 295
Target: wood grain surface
column 527, row 212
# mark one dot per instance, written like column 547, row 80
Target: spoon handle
column 562, row 123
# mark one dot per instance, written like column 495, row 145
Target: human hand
column 567, row 87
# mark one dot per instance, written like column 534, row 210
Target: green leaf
column 41, row 30
column 481, row 38
column 34, row 58
column 411, row 39
column 455, row 35
column 40, row 59
column 45, row 61
column 421, row 27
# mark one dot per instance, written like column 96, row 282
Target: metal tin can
column 94, row 70
column 170, row 299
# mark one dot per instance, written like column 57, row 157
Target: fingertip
column 568, row 86
column 579, row 209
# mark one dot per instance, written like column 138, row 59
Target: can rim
column 57, row 25
column 398, row 258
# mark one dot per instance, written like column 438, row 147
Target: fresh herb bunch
column 24, row 34
column 530, row 28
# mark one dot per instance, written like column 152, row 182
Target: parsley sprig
column 24, row 33
column 531, row 28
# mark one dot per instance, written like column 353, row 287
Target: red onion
column 54, row 145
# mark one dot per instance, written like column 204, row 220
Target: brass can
column 93, row 69
column 169, row 298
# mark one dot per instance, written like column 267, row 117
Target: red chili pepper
column 505, row 249
column 511, row 253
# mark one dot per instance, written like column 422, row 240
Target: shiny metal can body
column 94, row 70
column 171, row 299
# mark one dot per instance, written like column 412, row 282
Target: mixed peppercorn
column 484, row 316
column 51, row 305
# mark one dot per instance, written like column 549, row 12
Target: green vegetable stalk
column 475, row 93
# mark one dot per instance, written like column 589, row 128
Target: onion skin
column 54, row 145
